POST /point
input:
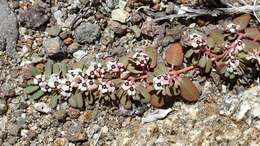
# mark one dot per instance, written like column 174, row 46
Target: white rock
column 79, row 54
column 156, row 115
column 244, row 107
column 120, row 15
column 42, row 107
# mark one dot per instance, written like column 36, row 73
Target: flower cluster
column 233, row 28
column 141, row 59
column 129, row 88
column 197, row 40
column 233, row 65
column 161, row 81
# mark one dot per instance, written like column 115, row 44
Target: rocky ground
column 70, row 30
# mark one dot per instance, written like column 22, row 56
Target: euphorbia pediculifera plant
column 137, row 77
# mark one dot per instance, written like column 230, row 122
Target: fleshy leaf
column 252, row 33
column 188, row 90
column 34, row 71
column 203, row 61
column 174, row 54
column 31, row 89
column 64, row 68
column 37, row 94
column 132, row 69
column 220, row 67
column 152, row 54
column 76, row 100
column 160, row 69
column 157, row 101
column 208, row 66
column 56, row 68
column 144, row 92
column 48, row 68
column 54, row 101
column 125, row 102
column 189, row 53
column 242, row 21
column 216, row 39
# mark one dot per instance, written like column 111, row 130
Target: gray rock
column 107, row 36
column 73, row 47
column 117, row 27
column 8, row 29
column 42, row 107
column 111, row 3
column 13, row 129
column 8, row 89
column 76, row 133
column 3, row 106
column 60, row 115
column 53, row 46
column 34, row 17
column 87, row 32
column 54, row 31
column 136, row 30
column 120, row 15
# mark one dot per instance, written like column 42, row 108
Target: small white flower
column 74, row 72
column 131, row 91
column 160, row 81
column 158, row 86
column 65, row 93
column 76, row 81
column 240, row 45
column 112, row 66
column 83, row 86
column 121, row 67
column 126, row 85
column 106, row 87
column 65, row 85
column 232, row 65
column 91, row 84
column 39, row 79
column 90, row 73
column 95, row 66
column 233, row 28
column 45, row 87
column 54, row 81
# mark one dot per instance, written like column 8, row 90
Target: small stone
column 107, row 36
column 117, row 27
column 87, row 32
column 79, row 54
column 53, row 31
column 135, row 17
column 120, row 15
column 24, row 132
column 34, row 17
column 3, row 107
column 7, row 89
column 76, row 133
column 60, row 142
column 72, row 48
column 42, row 107
column 149, row 28
column 13, row 129
column 136, row 30
column 53, row 46
column 85, row 117
column 68, row 41
column 60, row 115
column 170, row 8
column 73, row 113
column 111, row 3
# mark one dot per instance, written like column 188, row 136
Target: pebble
column 117, row 27
column 87, row 32
column 53, row 46
column 75, row 133
column 73, row 113
column 60, row 115
column 72, row 48
column 53, row 31
column 34, row 17
column 107, row 36
column 13, row 129
column 3, row 106
column 120, row 15
column 42, row 107
column 8, row 89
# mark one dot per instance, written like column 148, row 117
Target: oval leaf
column 188, row 90
column 54, row 101
column 157, row 101
column 48, row 68
column 144, row 92
column 189, row 53
column 76, row 100
column 242, row 21
column 208, row 66
column 174, row 54
column 37, row 94
column 252, row 33
column 35, row 71
column 152, row 54
column 56, row 68
column 203, row 61
column 31, row 89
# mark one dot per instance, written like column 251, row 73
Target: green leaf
column 157, row 101
column 242, row 21
column 144, row 92
column 31, row 89
column 252, row 33
column 203, row 61
column 152, row 54
column 189, row 53
column 56, row 68
column 125, row 102
column 160, row 69
column 208, row 66
column 48, row 69
column 64, row 68
column 76, row 100
column 132, row 69
column 216, row 39
column 35, row 72
column 54, row 101
column 188, row 90
column 37, row 94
